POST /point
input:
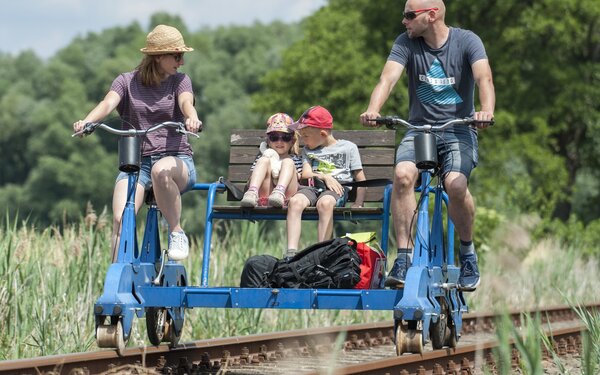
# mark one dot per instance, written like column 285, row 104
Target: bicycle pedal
column 163, row 260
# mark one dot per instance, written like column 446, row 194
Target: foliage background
column 540, row 159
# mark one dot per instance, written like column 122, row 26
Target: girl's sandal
column 277, row 198
column 250, row 199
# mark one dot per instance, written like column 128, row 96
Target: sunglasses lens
column 283, row 137
column 410, row 15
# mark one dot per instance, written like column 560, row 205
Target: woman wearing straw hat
column 155, row 92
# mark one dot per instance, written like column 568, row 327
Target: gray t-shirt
column 440, row 81
column 337, row 160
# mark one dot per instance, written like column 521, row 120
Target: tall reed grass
column 51, row 277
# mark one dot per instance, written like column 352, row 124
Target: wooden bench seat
column 377, row 151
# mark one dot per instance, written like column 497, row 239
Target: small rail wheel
column 452, row 340
column 172, row 337
column 111, row 336
column 408, row 339
column 439, row 330
column 156, row 318
column 400, row 339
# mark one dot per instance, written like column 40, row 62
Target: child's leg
column 259, row 183
column 325, row 206
column 287, row 184
column 296, row 206
column 261, row 176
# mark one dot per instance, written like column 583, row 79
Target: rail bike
column 143, row 282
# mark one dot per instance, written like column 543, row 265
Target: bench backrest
column 376, row 147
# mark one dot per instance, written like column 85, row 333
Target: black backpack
column 329, row 264
column 257, row 270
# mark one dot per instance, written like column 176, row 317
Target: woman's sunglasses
column 177, row 56
column 286, row 137
column 413, row 13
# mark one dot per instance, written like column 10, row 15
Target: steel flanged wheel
column 111, row 336
column 408, row 340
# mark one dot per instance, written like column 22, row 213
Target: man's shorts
column 457, row 152
column 145, row 179
column 314, row 194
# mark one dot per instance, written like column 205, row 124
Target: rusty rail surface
column 292, row 348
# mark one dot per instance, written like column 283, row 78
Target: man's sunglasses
column 286, row 137
column 413, row 13
column 177, row 56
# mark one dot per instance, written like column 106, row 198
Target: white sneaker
column 178, row 246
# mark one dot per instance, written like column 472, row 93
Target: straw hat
column 164, row 39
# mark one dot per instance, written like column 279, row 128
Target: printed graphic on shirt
column 436, row 88
column 326, row 164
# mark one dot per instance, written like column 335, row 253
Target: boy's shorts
column 314, row 194
column 145, row 179
column 457, row 151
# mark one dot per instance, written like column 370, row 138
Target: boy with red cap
column 329, row 160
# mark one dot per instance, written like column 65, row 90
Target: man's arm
column 482, row 73
column 390, row 75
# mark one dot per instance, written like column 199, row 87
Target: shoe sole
column 248, row 204
column 275, row 203
column 469, row 288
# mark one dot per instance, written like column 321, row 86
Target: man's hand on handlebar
column 368, row 119
column 483, row 119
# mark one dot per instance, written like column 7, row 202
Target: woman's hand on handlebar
column 78, row 126
column 367, row 119
column 193, row 125
column 483, row 119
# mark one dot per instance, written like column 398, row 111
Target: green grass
column 51, row 277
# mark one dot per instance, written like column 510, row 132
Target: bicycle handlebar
column 392, row 122
column 90, row 127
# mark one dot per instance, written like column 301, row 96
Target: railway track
column 356, row 349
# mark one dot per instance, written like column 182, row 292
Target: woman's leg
column 169, row 179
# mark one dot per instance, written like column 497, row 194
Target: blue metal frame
column 433, row 274
column 211, row 214
column 129, row 287
column 133, row 270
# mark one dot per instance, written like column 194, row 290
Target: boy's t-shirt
column 338, row 160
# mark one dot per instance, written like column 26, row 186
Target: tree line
column 540, row 158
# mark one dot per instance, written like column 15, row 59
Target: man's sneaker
column 178, row 246
column 250, row 199
column 397, row 275
column 277, row 198
column 469, row 273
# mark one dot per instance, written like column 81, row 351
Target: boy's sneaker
column 397, row 275
column 277, row 198
column 178, row 246
column 250, row 199
column 469, row 273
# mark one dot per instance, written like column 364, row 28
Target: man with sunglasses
column 443, row 64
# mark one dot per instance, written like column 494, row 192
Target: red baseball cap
column 316, row 117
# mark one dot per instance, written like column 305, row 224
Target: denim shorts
column 457, row 151
column 145, row 179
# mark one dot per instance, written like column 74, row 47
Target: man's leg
column 461, row 209
column 403, row 208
